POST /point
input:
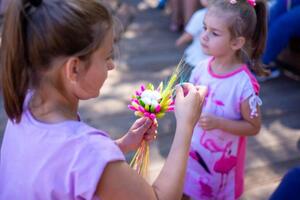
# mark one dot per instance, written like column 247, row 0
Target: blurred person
column 161, row 4
column 289, row 186
column 3, row 6
column 193, row 53
column 284, row 24
column 181, row 11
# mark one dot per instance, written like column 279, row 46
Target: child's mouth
column 204, row 46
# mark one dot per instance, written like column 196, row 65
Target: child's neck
column 225, row 64
column 50, row 106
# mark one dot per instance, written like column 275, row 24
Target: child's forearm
column 238, row 127
column 184, row 38
column 171, row 179
column 123, row 147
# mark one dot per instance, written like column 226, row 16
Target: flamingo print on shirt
column 216, row 160
column 206, row 189
column 218, row 110
column 225, row 164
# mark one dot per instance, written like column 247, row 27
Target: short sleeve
column 87, row 169
column 195, row 25
column 250, row 92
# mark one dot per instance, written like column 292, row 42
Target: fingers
column 179, row 92
column 151, row 134
column 187, row 86
column 203, row 125
column 150, row 137
column 139, row 122
column 206, row 123
column 202, row 121
column 202, row 89
column 183, row 90
column 142, row 125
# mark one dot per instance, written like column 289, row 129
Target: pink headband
column 251, row 2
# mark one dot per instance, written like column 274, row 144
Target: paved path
column 147, row 54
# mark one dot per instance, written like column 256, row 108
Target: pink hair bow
column 251, row 2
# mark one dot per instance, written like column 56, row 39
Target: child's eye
column 215, row 34
column 111, row 57
column 204, row 28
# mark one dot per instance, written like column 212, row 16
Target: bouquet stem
column 140, row 160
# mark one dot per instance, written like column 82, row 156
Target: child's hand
column 188, row 103
column 209, row 122
column 143, row 128
column 184, row 38
column 178, row 43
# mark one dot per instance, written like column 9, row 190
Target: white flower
column 151, row 94
column 151, row 97
column 146, row 100
column 154, row 103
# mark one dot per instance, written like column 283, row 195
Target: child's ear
column 72, row 67
column 238, row 43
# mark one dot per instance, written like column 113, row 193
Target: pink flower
column 157, row 109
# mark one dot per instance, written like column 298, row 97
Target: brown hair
column 34, row 35
column 249, row 22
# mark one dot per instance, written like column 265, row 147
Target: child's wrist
column 122, row 143
column 219, row 122
column 186, row 126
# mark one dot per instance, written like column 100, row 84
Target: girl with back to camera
column 53, row 54
column 234, row 35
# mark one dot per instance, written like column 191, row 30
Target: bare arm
column 169, row 184
column 119, row 181
column 183, row 39
column 247, row 126
column 142, row 129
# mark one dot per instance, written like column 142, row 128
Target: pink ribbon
column 251, row 2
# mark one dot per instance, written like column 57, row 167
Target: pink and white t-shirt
column 216, row 158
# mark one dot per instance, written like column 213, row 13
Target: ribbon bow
column 251, row 2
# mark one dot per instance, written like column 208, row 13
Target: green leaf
column 150, row 86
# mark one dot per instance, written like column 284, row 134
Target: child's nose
column 204, row 36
